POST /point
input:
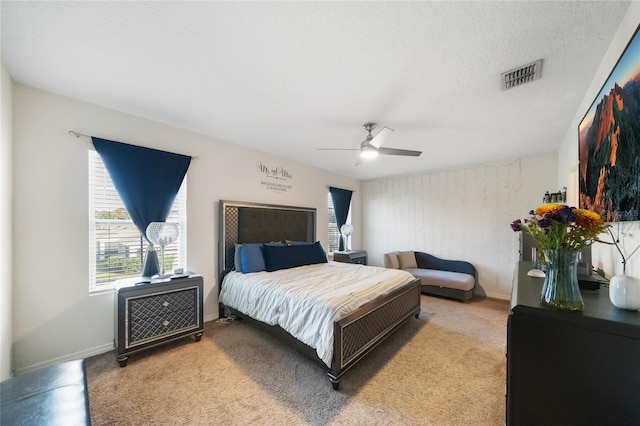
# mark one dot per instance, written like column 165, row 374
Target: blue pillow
column 284, row 257
column 252, row 258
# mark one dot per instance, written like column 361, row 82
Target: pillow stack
column 271, row 257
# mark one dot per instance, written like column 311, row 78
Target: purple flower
column 544, row 222
column 515, row 225
column 566, row 216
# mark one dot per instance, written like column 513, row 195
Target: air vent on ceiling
column 521, row 75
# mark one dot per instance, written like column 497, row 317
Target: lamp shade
column 162, row 233
column 346, row 229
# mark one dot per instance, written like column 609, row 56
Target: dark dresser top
column 599, row 313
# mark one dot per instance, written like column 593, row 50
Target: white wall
column 604, row 256
column 459, row 214
column 54, row 316
column 6, row 251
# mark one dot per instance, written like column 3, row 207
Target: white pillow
column 407, row 259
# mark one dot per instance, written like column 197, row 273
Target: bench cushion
column 454, row 280
column 55, row 395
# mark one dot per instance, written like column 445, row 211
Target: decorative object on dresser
column 351, row 256
column 555, row 197
column 162, row 234
column 346, row 230
column 439, row 277
column 570, row 368
column 624, row 292
column 562, row 232
column 150, row 314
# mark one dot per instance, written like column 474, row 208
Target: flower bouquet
column 561, row 232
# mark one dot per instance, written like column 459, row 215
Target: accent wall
column 461, row 214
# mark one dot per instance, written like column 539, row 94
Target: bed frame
column 354, row 335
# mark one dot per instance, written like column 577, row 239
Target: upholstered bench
column 56, row 395
column 440, row 277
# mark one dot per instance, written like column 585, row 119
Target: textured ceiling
column 290, row 77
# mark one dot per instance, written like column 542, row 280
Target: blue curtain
column 341, row 202
column 147, row 181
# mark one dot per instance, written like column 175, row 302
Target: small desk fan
column 162, row 234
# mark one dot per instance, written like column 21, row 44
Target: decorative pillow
column 252, row 258
column 237, row 258
column 391, row 260
column 407, row 259
column 284, row 257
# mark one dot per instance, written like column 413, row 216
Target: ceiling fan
column 371, row 147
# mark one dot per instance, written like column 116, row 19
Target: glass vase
column 560, row 289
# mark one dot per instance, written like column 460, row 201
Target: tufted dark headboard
column 260, row 223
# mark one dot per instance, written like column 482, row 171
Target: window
column 334, row 232
column 116, row 247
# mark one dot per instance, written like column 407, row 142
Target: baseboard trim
column 493, row 295
column 97, row 350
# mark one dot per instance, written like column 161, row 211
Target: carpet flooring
column 447, row 367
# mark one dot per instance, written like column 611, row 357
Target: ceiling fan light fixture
column 368, row 152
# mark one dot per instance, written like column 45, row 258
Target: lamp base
column 161, row 276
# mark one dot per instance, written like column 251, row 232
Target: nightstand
column 153, row 313
column 351, row 256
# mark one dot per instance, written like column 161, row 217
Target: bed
column 352, row 335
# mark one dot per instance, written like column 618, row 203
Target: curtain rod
column 78, row 134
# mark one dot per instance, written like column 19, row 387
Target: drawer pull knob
column 165, row 323
column 165, row 304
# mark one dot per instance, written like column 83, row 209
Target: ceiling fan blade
column 337, row 149
column 396, row 151
column 378, row 140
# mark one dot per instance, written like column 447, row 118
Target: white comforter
column 305, row 301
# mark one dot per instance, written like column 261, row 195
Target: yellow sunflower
column 588, row 219
column 549, row 209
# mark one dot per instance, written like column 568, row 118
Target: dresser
column 154, row 313
column 351, row 256
column 571, row 368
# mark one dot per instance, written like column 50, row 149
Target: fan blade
column 337, row 149
column 395, row 151
column 378, row 140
